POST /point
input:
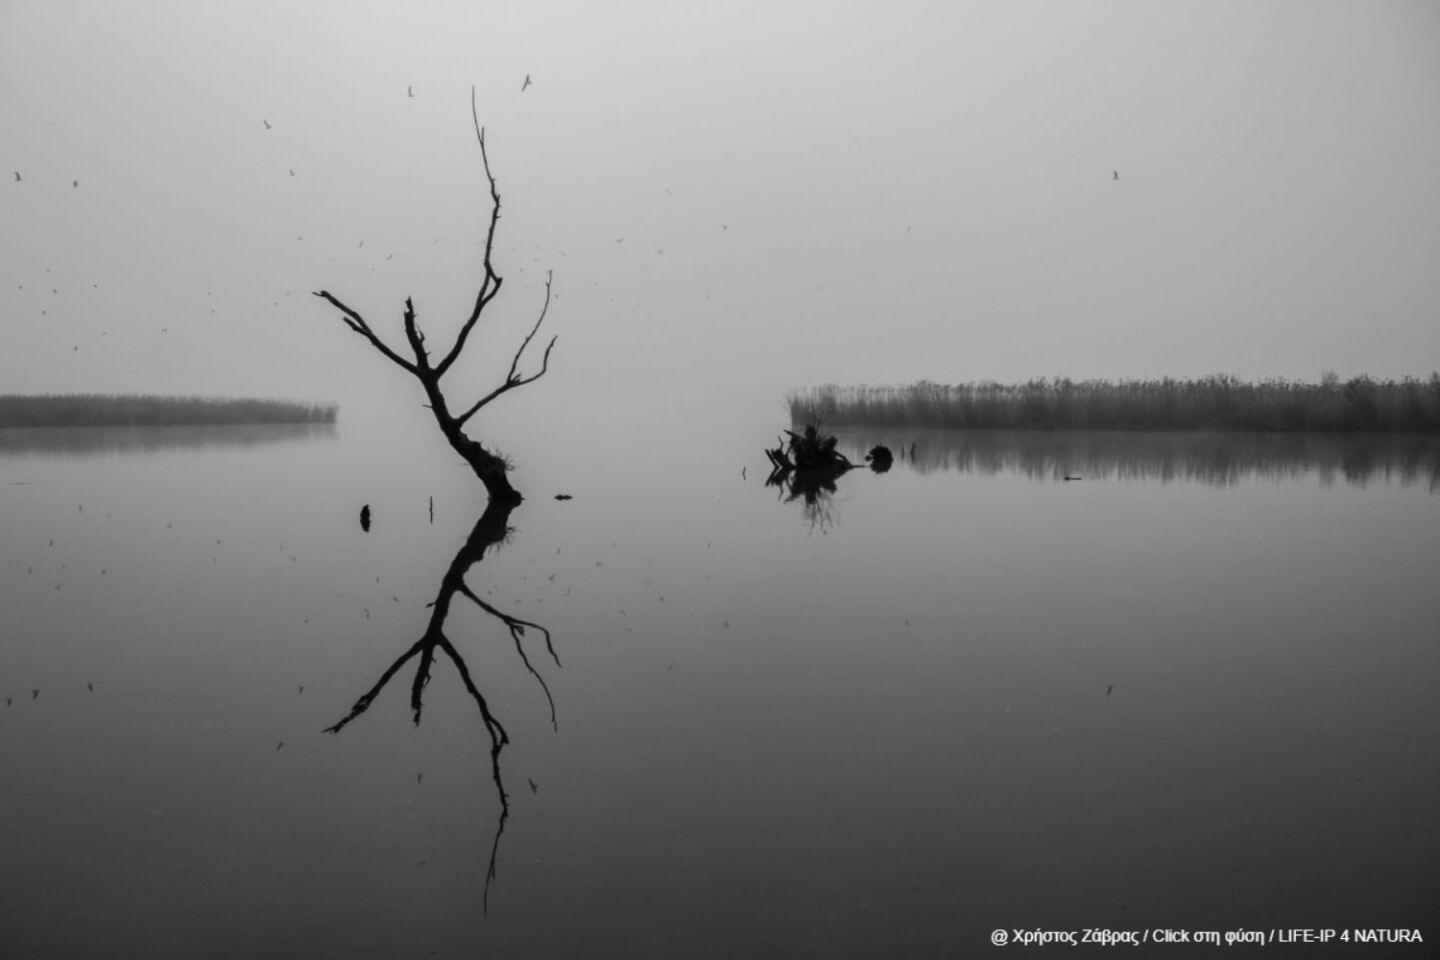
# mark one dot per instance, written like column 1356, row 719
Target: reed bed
column 109, row 410
column 1359, row 405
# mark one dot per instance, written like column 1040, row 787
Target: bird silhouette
column 525, row 84
column 17, row 176
column 534, row 788
column 410, row 92
column 74, row 183
column 267, row 123
column 292, row 171
column 1116, row 174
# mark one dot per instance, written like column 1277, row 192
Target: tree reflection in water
column 492, row 528
column 815, row 493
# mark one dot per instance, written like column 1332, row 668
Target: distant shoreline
column 112, row 410
column 1358, row 405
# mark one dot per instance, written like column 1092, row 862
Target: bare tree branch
column 516, row 626
column 512, row 379
column 515, row 360
column 422, row 670
column 369, row 696
column 357, row 323
column 498, row 737
column 416, row 338
column 490, row 283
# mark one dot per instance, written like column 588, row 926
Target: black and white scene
column 734, row 479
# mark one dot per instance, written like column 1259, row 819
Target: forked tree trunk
column 489, row 467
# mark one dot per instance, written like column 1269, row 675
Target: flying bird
column 292, row 171
column 17, row 176
column 410, row 92
column 1116, row 174
column 266, row 122
column 525, row 84
column 74, row 183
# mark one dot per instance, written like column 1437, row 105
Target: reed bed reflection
column 108, row 441
column 1220, row 459
column 1358, row 405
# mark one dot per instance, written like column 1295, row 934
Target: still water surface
column 1195, row 690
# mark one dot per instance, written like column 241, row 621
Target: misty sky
column 735, row 198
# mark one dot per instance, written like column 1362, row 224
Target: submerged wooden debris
column 806, row 465
column 809, row 454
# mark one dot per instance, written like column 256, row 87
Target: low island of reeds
column 111, row 410
column 1358, row 405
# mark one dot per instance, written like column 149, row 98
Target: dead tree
column 490, row 467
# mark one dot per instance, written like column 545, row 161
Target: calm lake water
column 1195, row 690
